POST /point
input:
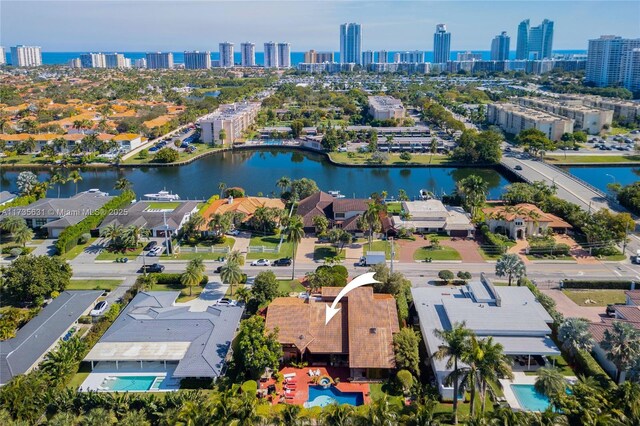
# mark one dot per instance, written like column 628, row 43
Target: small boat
column 426, row 195
column 162, row 196
column 335, row 194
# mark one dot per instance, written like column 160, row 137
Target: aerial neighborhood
column 283, row 237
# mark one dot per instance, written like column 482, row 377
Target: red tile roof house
column 359, row 336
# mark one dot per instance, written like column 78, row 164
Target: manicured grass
column 286, row 250
column 322, row 252
column 108, row 255
column 381, row 246
column 74, row 252
column 443, row 253
column 614, row 257
column 394, row 159
column 560, row 363
column 377, row 391
column 565, row 258
column 200, row 149
column 235, row 290
column 290, row 286
column 78, row 379
column 93, row 284
column 184, row 292
column 596, row 159
column 394, row 208
column 163, row 205
column 601, row 297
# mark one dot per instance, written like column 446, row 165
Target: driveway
column 243, row 240
column 212, row 292
column 46, row 248
column 570, row 309
column 304, row 253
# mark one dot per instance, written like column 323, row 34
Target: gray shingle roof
column 137, row 214
column 17, row 355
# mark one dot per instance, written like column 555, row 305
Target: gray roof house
column 154, row 328
column 511, row 315
column 6, row 197
column 20, row 354
column 56, row 214
column 149, row 215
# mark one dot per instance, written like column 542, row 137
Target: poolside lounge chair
column 310, row 373
column 289, row 375
column 318, row 373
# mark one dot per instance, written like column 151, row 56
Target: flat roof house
column 56, row 214
column 35, row 339
column 152, row 215
column 153, row 328
column 359, row 336
column 433, row 216
column 511, row 315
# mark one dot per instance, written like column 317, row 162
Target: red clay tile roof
column 634, row 296
column 318, row 204
column 629, row 313
column 344, row 205
column 553, row 220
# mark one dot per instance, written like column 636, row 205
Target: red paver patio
column 468, row 249
column 300, row 392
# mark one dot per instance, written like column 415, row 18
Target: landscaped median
column 591, row 159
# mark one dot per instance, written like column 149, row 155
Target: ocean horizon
column 62, row 58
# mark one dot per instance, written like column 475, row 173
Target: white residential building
column 226, row 54
column 608, row 59
column 367, row 58
column 284, row 55
column 26, row 56
column 433, row 216
column 93, row 60
column 248, row 51
column 515, row 118
column 140, row 63
column 232, row 118
column 589, row 119
column 270, row 55
column 385, row 107
column 159, row 60
column 382, row 56
column 197, row 60
column 468, row 56
column 74, row 63
column 3, row 56
column 115, row 60
column 350, row 43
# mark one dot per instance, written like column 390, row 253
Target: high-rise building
column 441, row 44
column 26, row 56
column 270, row 55
column 413, row 57
column 383, row 57
column 3, row 57
column 631, row 69
column 140, row 63
column 115, row 60
column 284, row 55
column 74, row 63
column 310, row 57
column 197, row 60
column 535, row 42
column 226, row 54
column 468, row 56
column 350, row 43
column 500, row 47
column 322, row 57
column 248, row 51
column 610, row 60
column 93, row 60
column 159, row 60
column 367, row 58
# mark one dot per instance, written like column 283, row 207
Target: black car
column 282, row 262
column 155, row 267
column 151, row 245
column 218, row 270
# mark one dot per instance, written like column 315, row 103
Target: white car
column 226, row 302
column 261, row 262
column 99, row 309
column 156, row 251
column 233, row 232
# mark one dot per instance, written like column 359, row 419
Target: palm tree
column 370, row 219
column 222, row 134
column 235, row 256
column 122, row 184
column 575, row 336
column 379, row 413
column 23, row 235
column 100, row 417
column 622, row 344
column 492, row 366
column 424, row 414
column 433, row 148
column 474, row 190
column 455, row 345
column 57, row 179
column 193, row 274
column 295, row 233
column 283, row 183
column 222, row 186
column 510, row 265
column 548, row 417
column 505, row 416
column 338, row 415
column 550, row 382
column 133, row 234
column 231, row 274
column 220, row 223
column 291, row 415
column 76, row 177
column 12, row 223
column 112, row 232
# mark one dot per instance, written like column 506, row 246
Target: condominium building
column 624, row 111
column 351, row 43
column 385, row 107
column 197, row 60
column 610, row 59
column 232, row 118
column 367, row 58
column 93, row 60
column 469, row 56
column 74, row 63
column 515, row 118
column 310, row 57
column 329, row 67
column 382, row 57
column 535, row 42
column 140, row 63
column 588, row 119
column 248, row 53
column 441, row 45
column 284, row 55
column 115, row 60
column 270, row 55
column 159, row 60
column 226, row 54
column 3, row 56
column 313, row 57
column 500, row 47
column 631, row 70
column 26, row 56
column 413, row 57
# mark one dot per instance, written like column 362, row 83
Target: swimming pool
column 133, row 383
column 321, row 397
column 529, row 398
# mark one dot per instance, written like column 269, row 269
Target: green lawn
column 614, row 257
column 290, row 286
column 200, row 149
column 107, row 255
column 381, row 246
column 394, row 159
column 560, row 363
column 184, row 292
column 443, row 253
column 322, row 252
column 93, row 284
column 394, row 208
column 601, row 297
column 596, row 159
column 286, row 250
column 80, row 376
column 74, row 252
column 163, row 205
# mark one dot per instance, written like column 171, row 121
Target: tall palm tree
column 57, row 179
column 338, row 415
column 112, row 232
column 548, row 417
column 295, row 233
column 550, row 382
column 231, row 274
column 291, row 415
column 122, row 184
column 379, row 413
column 12, row 223
column 193, row 274
column 76, row 177
column 371, row 219
column 575, row 336
column 433, row 148
column 492, row 366
column 283, row 183
column 622, row 344
column 468, row 375
column 134, row 233
column 474, row 190
column 455, row 345
column 510, row 265
column 222, row 186
column 235, row 256
column 22, row 235
column 220, row 223
column 424, row 414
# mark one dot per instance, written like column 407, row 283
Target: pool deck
column 301, row 393
column 99, row 378
column 519, row 378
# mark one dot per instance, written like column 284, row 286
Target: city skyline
column 404, row 25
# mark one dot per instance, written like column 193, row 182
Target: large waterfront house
column 433, row 216
column 341, row 212
column 158, row 217
column 522, row 221
column 246, row 206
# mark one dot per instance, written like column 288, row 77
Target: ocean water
column 61, row 58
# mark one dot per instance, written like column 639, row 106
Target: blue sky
column 393, row 25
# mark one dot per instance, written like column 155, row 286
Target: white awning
column 138, row 351
column 527, row 345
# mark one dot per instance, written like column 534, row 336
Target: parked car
column 99, row 309
column 154, row 267
column 518, row 167
column 261, row 262
column 226, row 302
column 150, row 245
column 611, row 309
column 285, row 261
column 218, row 270
column 233, row 232
column 156, row 251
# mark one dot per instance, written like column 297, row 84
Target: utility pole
column 166, row 233
column 392, row 253
column 626, row 238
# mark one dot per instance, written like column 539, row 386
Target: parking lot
column 186, row 137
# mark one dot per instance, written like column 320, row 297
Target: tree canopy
column 31, row 279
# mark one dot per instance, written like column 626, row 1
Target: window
column 339, row 215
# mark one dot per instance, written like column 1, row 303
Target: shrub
column 85, row 319
column 166, row 155
column 84, row 238
column 250, row 387
column 555, row 249
column 597, row 284
column 446, row 275
column 494, row 241
column 143, row 153
column 589, row 367
column 173, row 278
column 15, row 252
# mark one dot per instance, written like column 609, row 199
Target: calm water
column 600, row 177
column 258, row 171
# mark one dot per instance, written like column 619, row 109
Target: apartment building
column 313, row 57
column 624, row 111
column 385, row 107
column 248, row 51
column 515, row 118
column 588, row 119
column 197, row 60
column 226, row 54
column 270, row 55
column 441, row 45
column 367, row 58
column 469, row 56
column 115, row 60
column 3, row 57
column 382, row 56
column 159, row 60
column 610, row 60
column 232, row 118
column 26, row 56
column 284, row 55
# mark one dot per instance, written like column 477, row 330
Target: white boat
column 162, row 196
column 335, row 194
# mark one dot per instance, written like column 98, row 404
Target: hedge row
column 546, row 301
column 492, row 239
column 69, row 237
column 19, row 202
column 589, row 367
column 558, row 249
column 168, row 278
column 595, row 284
